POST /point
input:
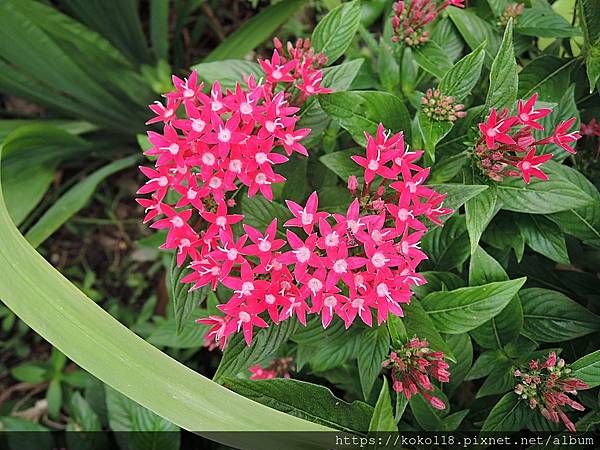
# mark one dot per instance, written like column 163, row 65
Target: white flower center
column 261, row 157
column 215, row 182
column 191, row 194
column 264, row 245
column 382, row 290
column 330, row 301
column 163, row 181
column 235, row 165
column 260, row 178
column 198, row 125
column 302, row 254
column 221, row 221
column 315, row 285
column 379, row 260
column 270, row 299
column 224, row 135
column 306, row 218
column 404, row 214
column 246, row 108
column 177, row 222
column 244, row 317
column 373, row 165
column 332, row 239
column 340, row 266
column 173, row 149
column 208, row 159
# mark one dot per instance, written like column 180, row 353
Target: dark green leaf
column 432, row 132
column 374, row 347
column 544, row 237
column 305, row 400
column 227, row 72
column 479, row 211
column 553, row 317
column 587, row 369
column 510, row 414
column 460, row 80
column 546, row 75
column 432, row 58
column 418, row 324
column 341, row 164
column 475, row 30
column 447, row 246
column 589, row 12
column 383, row 416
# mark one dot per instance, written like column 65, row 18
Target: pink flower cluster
column 278, row 368
column 347, row 265
column 412, row 365
column 507, row 146
column 411, row 16
column 546, row 386
column 221, row 141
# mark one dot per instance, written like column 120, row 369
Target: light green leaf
column 504, row 81
column 460, row 80
column 589, row 12
column 542, row 21
column 251, row 34
column 228, row 72
column 432, row 132
column 432, row 58
column 479, row 211
column 383, row 416
column 464, row 309
column 587, row 369
column 334, row 32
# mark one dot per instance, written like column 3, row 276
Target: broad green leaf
column 126, row 415
column 475, row 30
column 159, row 28
column 397, row 331
column 251, row 34
column 542, row 21
column 479, row 211
column 458, row 194
column 500, row 380
column 583, row 222
column 562, row 192
column 58, row 311
column 30, row 155
column 438, row 281
column 362, row 111
column 184, row 301
column 428, row 417
column 509, row 414
column 503, row 232
column 334, row 32
column 460, row 80
column 374, row 347
column 433, row 59
column 332, row 353
column 188, row 334
column 485, row 364
column 544, row 237
column 507, row 325
column 260, row 212
column 464, row 309
column 238, row 355
column 383, row 416
column 446, row 36
column 504, row 81
column 307, row 401
column 447, row 246
column 462, row 348
column 587, row 369
column 418, row 323
column 31, row 373
column 550, row 316
column 497, row 6
column 72, row 201
column 546, row 75
column 338, row 78
column 432, row 132
column 228, row 72
column 54, row 397
column 589, row 12
column 83, row 414
column 341, row 164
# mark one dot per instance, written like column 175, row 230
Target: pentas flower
column 278, row 368
column 508, row 146
column 547, row 386
column 411, row 17
column 411, row 367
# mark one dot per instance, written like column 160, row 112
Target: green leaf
column 251, row 34
column 433, row 59
column 432, row 132
column 543, row 21
column 332, row 353
column 374, row 347
column 383, row 416
column 260, row 212
column 228, row 72
column 546, row 75
column 562, row 192
column 184, row 301
column 75, row 199
column 30, row 155
column 503, row 233
column 189, row 334
column 31, row 373
column 464, row 309
column 362, row 111
column 438, row 281
column 54, row 397
column 341, row 164
column 504, row 81
column 460, row 80
column 419, row 324
column 553, row 317
column 507, row 325
column 509, row 414
column 428, row 417
column 479, row 211
column 334, row 32
column 447, row 246
column 544, row 237
column 500, row 380
column 307, row 401
column 587, row 369
column 475, row 30
column 83, row 414
column 397, row 331
column 458, row 194
column 589, row 13
column 462, row 348
column 126, row 415
column 58, row 312
column 159, row 28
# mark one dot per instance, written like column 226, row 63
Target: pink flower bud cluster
column 348, row 265
column 507, row 146
column 440, row 107
column 411, row 17
column 278, row 368
column 412, row 365
column 546, row 386
column 512, row 11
